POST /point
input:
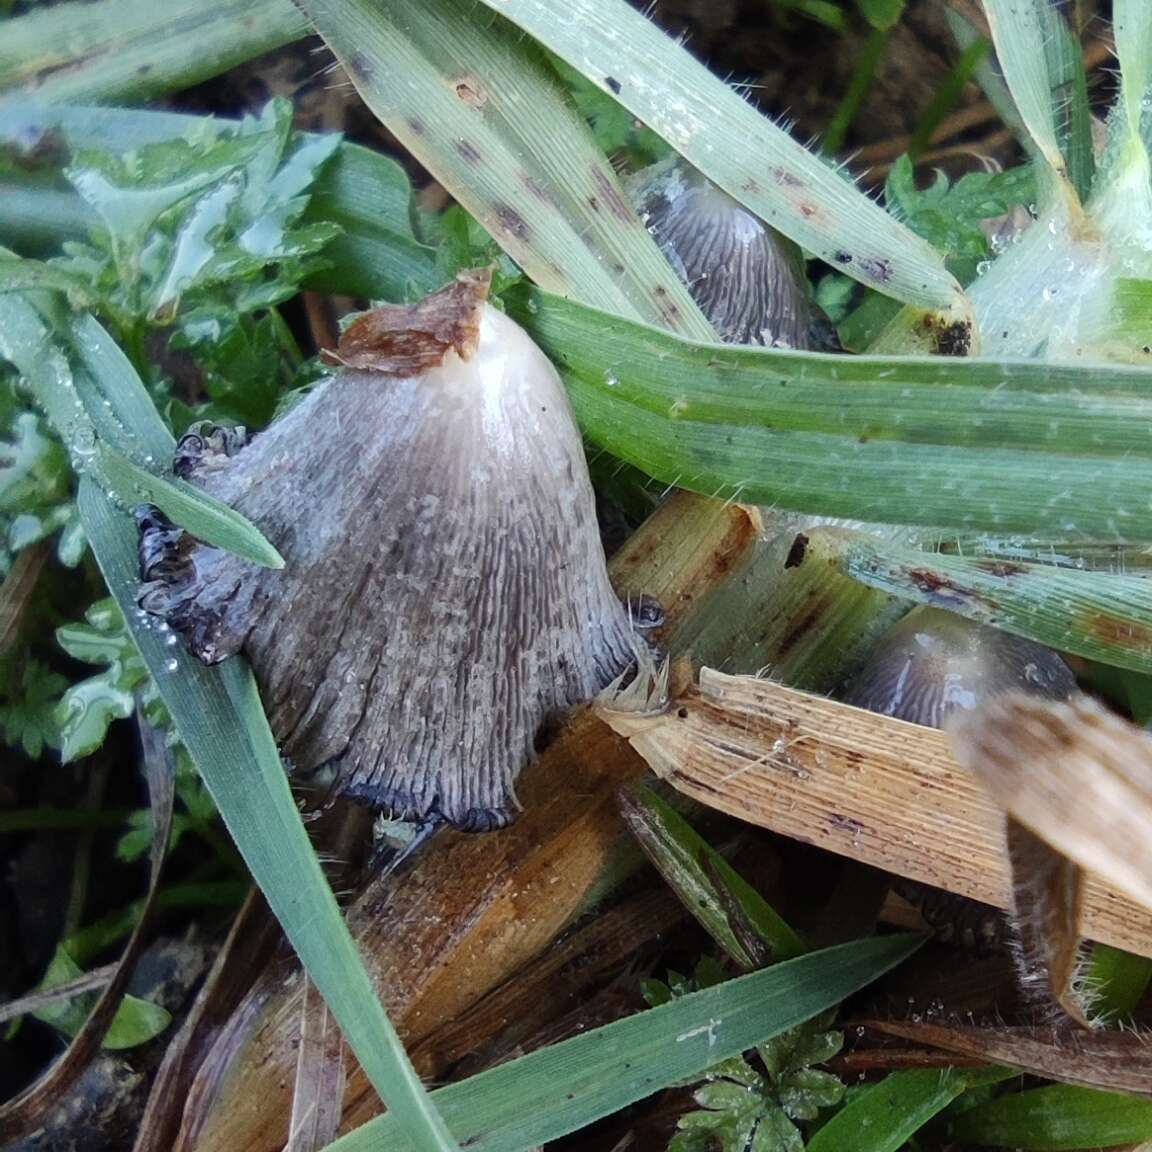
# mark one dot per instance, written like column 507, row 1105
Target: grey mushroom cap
column 444, row 588
column 748, row 280
column 933, row 663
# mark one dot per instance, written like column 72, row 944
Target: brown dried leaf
column 16, row 592
column 1073, row 773
column 1118, row 1061
column 476, row 910
column 868, row 787
column 408, row 339
column 318, row 1094
column 174, row 1111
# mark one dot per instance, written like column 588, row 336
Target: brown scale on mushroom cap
column 444, row 588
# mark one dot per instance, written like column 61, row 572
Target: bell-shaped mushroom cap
column 747, row 279
column 932, row 663
column 444, row 587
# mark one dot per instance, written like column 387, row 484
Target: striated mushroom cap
column 932, row 663
column 747, row 279
column 444, row 587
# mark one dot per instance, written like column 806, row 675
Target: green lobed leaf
column 883, row 1117
column 88, row 706
column 949, row 215
column 1061, row 1116
column 365, row 194
column 759, row 164
column 1012, row 446
column 566, row 1086
column 136, row 1021
column 28, row 698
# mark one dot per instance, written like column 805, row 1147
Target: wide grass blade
column 1019, row 35
column 218, row 715
column 1100, row 615
column 1132, row 26
column 1058, row 1117
column 753, row 160
column 479, row 106
column 978, row 444
column 559, row 1089
column 378, row 253
column 885, row 1116
column 137, row 49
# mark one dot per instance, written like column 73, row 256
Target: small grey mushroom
column 748, row 280
column 932, row 663
column 444, row 588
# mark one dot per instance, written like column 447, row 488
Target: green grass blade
column 987, row 74
column 759, row 164
column 888, row 1114
column 98, row 437
column 1068, row 88
column 205, row 517
column 1100, row 615
column 218, row 715
column 975, row 444
column 137, row 49
column 1018, row 33
column 559, row 1089
column 696, row 872
column 378, row 253
column 479, row 106
column 1058, row 1117
column 1132, row 25
column 1118, row 981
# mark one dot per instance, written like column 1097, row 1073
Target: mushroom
column 932, row 663
column 748, row 280
column 444, row 588
column 928, row 665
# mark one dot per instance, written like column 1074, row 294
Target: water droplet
column 171, row 639
column 171, row 665
column 1051, row 292
column 983, row 267
column 611, row 380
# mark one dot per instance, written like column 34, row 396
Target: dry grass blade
column 170, row 1121
column 22, row 1114
column 1075, row 774
column 1116, row 1060
column 318, row 1094
column 16, row 592
column 58, row 993
column 477, row 909
column 865, row 786
column 1048, row 906
column 542, row 992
